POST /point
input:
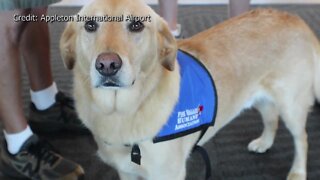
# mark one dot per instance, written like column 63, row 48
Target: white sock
column 176, row 32
column 44, row 98
column 16, row 140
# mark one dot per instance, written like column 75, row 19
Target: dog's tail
column 317, row 71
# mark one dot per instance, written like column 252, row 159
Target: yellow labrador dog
column 126, row 81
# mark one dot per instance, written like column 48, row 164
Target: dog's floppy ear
column 67, row 45
column 168, row 46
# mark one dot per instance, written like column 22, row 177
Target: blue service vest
column 196, row 108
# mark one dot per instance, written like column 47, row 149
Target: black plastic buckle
column 136, row 154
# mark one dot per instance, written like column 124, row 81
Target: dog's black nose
column 108, row 64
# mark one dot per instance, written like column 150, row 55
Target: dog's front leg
column 178, row 173
column 127, row 176
column 171, row 166
column 153, row 171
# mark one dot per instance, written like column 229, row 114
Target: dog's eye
column 136, row 26
column 91, row 26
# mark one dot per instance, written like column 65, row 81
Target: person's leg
column 11, row 111
column 18, row 151
column 35, row 49
column 169, row 11
column 50, row 110
column 237, row 7
column 16, row 130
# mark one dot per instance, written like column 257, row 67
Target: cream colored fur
column 265, row 58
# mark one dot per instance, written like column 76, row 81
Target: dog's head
column 116, row 50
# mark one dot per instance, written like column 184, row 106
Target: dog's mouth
column 111, row 83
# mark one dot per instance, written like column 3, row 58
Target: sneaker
column 61, row 116
column 36, row 161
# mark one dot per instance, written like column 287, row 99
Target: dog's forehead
column 116, row 8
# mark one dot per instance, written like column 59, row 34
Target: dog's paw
column 296, row 176
column 259, row 146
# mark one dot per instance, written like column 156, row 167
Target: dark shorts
column 23, row 4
